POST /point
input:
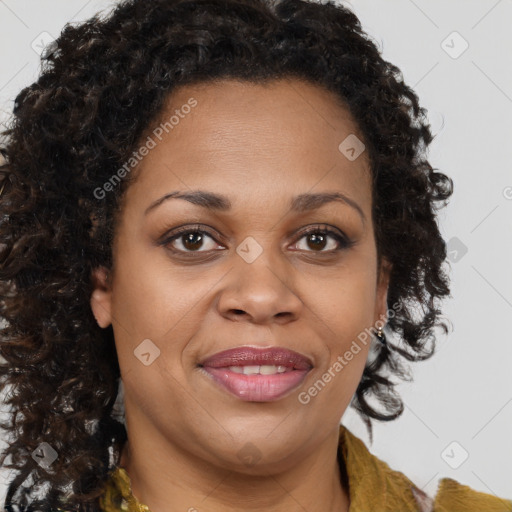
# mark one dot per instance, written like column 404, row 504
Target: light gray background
column 464, row 393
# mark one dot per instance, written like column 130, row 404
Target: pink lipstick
column 257, row 374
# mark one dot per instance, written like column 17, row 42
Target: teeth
column 265, row 369
column 271, row 369
column 251, row 370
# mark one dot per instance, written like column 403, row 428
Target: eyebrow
column 217, row 202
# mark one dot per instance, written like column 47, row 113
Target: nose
column 259, row 293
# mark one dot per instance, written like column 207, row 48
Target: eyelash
column 344, row 242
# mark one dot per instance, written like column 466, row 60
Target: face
column 268, row 263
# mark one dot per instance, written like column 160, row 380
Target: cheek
column 344, row 301
column 343, row 314
column 343, row 309
column 154, row 300
column 151, row 296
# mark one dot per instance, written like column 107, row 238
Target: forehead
column 274, row 137
column 291, row 106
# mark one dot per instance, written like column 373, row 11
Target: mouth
column 257, row 374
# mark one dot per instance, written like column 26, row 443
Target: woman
column 225, row 204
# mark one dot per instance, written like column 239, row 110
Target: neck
column 177, row 480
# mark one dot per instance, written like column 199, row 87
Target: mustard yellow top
column 373, row 486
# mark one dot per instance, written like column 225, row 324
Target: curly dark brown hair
column 101, row 85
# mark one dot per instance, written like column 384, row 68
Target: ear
column 381, row 298
column 101, row 297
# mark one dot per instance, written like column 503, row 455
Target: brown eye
column 317, row 240
column 322, row 240
column 190, row 240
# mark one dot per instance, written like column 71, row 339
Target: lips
column 257, row 375
column 244, row 356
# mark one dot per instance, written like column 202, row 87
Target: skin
column 259, row 145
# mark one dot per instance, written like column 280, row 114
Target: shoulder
column 374, row 485
column 455, row 497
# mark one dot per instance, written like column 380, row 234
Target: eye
column 193, row 239
column 190, row 239
column 319, row 238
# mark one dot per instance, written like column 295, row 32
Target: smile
column 256, row 374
